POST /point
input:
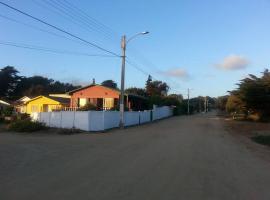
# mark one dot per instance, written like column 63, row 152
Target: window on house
column 108, row 102
column 34, row 108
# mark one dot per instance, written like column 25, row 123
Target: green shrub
column 8, row 111
column 26, row 126
column 23, row 116
column 182, row 109
column 88, row 106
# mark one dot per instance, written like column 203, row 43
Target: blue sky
column 204, row 45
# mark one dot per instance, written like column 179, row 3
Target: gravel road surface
column 177, row 158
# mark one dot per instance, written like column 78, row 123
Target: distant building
column 46, row 104
column 104, row 98
column 3, row 105
column 60, row 95
column 20, row 105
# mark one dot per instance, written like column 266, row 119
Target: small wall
column 56, row 119
column 131, row 118
column 82, row 120
column 111, row 119
column 145, row 116
column 162, row 112
column 98, row 120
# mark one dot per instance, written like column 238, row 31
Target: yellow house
column 46, row 104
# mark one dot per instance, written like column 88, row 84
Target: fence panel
column 131, row 118
column 81, row 120
column 145, row 116
column 96, row 121
column 99, row 120
column 45, row 118
column 56, row 119
column 111, row 119
column 68, row 119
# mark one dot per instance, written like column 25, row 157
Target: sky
column 207, row 46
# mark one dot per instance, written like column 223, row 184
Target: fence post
column 73, row 125
column 61, row 119
column 49, row 119
column 139, row 117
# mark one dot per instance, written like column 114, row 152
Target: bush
column 23, row 116
column 8, row 111
column 182, row 109
column 26, row 126
column 88, row 106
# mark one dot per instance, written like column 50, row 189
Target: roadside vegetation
column 250, row 101
column 26, row 125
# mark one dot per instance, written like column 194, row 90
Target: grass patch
column 262, row 139
column 26, row 126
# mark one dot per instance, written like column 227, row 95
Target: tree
column 221, row 102
column 156, row 88
column 13, row 86
column 137, row 91
column 234, row 104
column 255, row 92
column 9, row 79
column 179, row 97
column 110, row 84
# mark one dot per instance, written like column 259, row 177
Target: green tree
column 234, row 104
column 221, row 102
column 137, row 91
column 157, row 88
column 110, row 84
column 9, row 80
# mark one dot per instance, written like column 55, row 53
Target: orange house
column 101, row 96
column 104, row 98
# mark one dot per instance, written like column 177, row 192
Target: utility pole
column 122, row 104
column 124, row 43
column 188, row 103
column 205, row 104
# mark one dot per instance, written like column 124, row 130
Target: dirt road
column 177, row 158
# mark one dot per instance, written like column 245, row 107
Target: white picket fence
column 99, row 120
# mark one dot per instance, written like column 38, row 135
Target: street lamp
column 124, row 43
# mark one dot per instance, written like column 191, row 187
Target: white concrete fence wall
column 99, row 120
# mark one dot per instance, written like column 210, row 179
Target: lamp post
column 124, row 43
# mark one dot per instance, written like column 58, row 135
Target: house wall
column 37, row 105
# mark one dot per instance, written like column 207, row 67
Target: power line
column 39, row 48
column 61, row 30
column 146, row 73
column 54, row 7
column 84, row 18
column 70, row 34
column 105, row 27
column 40, row 29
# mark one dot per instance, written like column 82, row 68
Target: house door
column 100, row 103
column 45, row 108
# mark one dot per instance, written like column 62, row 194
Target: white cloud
column 176, row 73
column 233, row 62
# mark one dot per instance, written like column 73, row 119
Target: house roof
column 4, row 103
column 58, row 99
column 24, row 97
column 91, row 85
column 136, row 96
